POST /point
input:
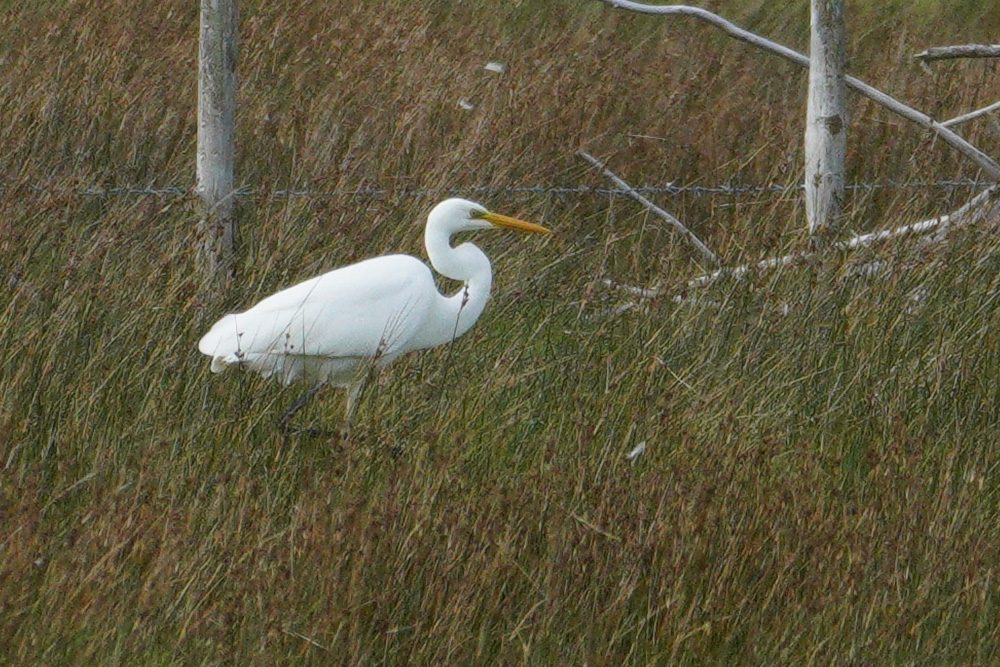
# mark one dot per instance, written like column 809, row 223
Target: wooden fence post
column 216, row 128
column 826, row 117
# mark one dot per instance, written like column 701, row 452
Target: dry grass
column 818, row 487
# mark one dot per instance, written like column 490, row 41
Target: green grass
column 820, row 483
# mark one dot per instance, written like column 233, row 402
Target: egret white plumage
column 332, row 328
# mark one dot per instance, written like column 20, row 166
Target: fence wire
column 727, row 189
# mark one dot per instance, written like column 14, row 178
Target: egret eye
column 477, row 214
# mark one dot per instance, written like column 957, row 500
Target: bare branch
column 984, row 161
column 677, row 224
column 640, row 292
column 976, row 210
column 961, row 51
column 972, row 212
column 958, row 120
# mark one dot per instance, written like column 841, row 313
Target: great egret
column 333, row 328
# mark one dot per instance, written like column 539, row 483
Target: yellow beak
column 514, row 223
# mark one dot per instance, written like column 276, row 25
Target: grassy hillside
column 821, row 480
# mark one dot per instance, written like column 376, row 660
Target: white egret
column 333, row 328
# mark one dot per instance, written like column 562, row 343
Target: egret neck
column 454, row 315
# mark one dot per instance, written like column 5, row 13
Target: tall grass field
column 820, row 480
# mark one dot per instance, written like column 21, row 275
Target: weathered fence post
column 826, row 117
column 216, row 129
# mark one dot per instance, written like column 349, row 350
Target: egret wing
column 367, row 309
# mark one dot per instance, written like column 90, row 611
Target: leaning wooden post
column 216, row 129
column 826, row 117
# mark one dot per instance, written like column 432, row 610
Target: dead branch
column 630, row 191
column 960, row 51
column 640, row 292
column 984, row 206
column 981, row 159
column 964, row 118
column 974, row 211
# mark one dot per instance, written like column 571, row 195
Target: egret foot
column 285, row 423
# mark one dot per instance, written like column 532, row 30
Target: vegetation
column 821, row 479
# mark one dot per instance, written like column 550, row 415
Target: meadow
column 821, row 475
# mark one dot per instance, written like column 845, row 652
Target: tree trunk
column 826, row 117
column 216, row 128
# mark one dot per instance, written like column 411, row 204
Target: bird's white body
column 329, row 329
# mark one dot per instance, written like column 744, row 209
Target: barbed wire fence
column 725, row 189
column 13, row 280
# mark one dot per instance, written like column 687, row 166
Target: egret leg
column 285, row 423
column 353, row 398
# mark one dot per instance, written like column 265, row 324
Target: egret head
column 458, row 215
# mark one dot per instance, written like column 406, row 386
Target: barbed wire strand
column 491, row 190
